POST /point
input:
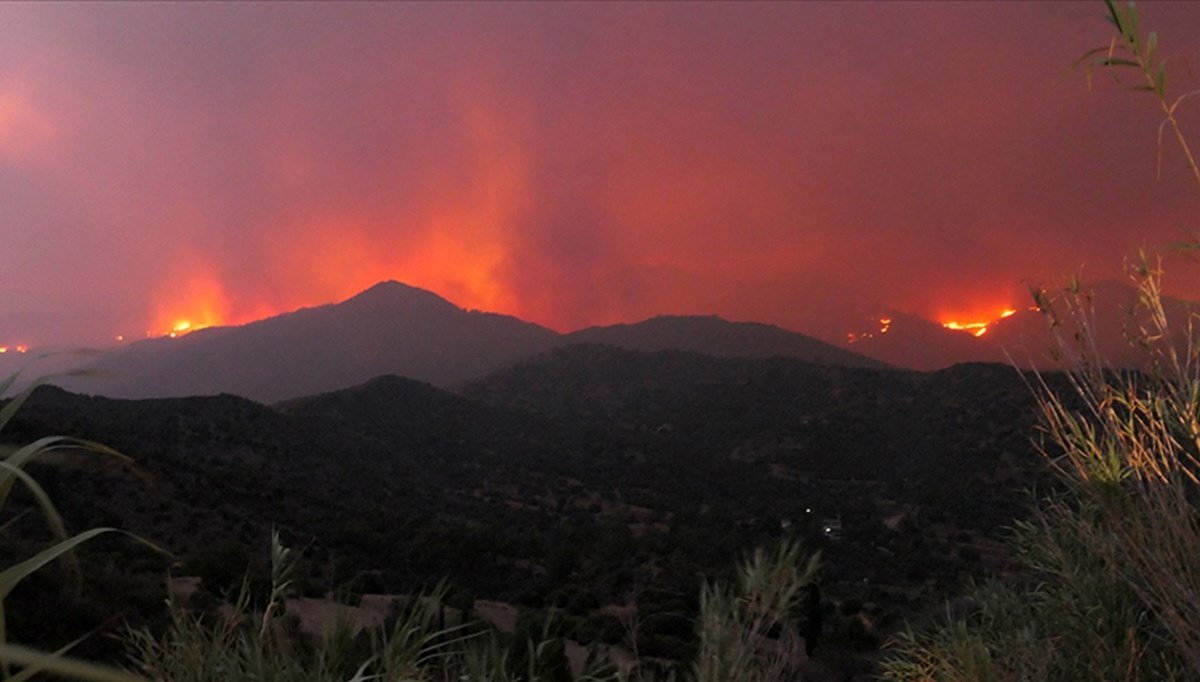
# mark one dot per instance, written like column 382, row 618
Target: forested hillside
column 589, row 476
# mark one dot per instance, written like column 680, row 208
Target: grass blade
column 59, row 665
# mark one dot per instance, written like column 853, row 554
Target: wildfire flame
column 885, row 323
column 978, row 328
column 180, row 327
column 189, row 304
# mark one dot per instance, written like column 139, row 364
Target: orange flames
column 885, row 323
column 182, row 327
column 978, row 328
column 337, row 260
column 192, row 303
column 460, row 243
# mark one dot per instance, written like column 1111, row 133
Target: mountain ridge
column 396, row 328
column 393, row 328
column 714, row 335
column 1027, row 338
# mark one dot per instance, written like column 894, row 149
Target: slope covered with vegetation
column 586, row 478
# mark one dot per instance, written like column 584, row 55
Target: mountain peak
column 390, row 291
column 390, row 328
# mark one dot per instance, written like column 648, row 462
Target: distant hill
column 396, row 329
column 712, row 335
column 1026, row 338
column 1112, row 314
column 913, row 342
column 390, row 328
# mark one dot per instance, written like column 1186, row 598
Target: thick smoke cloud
column 573, row 164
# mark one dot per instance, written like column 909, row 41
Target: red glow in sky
column 803, row 164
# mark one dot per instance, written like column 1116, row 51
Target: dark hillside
column 950, row 427
column 590, row 475
column 916, row 343
column 922, row 471
column 711, row 335
column 394, row 410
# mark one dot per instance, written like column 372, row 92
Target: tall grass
column 1109, row 586
column 19, row 662
column 413, row 646
column 748, row 632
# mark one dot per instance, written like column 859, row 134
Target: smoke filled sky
column 573, row 164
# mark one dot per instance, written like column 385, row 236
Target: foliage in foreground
column 748, row 632
column 1109, row 580
column 242, row 644
column 19, row 662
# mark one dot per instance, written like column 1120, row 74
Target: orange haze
column 166, row 167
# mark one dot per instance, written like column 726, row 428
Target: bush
column 751, row 633
column 1109, row 580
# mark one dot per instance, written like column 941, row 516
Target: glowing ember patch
column 183, row 327
column 22, row 349
column 976, row 328
column 979, row 328
column 885, row 323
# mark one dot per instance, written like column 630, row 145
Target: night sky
column 572, row 164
